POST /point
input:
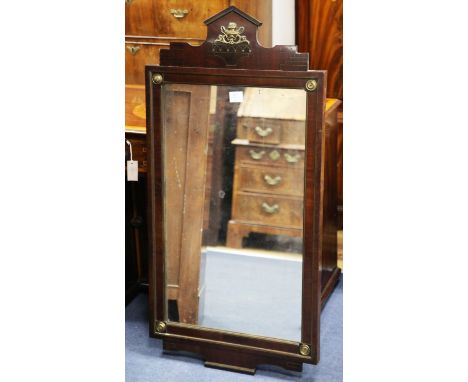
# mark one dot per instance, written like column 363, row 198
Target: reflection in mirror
column 233, row 188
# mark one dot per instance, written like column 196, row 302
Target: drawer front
column 272, row 180
column 257, row 130
column 271, row 156
column 170, row 18
column 268, row 209
column 137, row 55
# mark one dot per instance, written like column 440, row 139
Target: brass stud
column 157, row 78
column 304, row 349
column 160, row 327
column 311, row 85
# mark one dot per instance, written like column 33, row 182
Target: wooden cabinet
column 151, row 25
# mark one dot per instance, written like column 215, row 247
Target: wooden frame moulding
column 279, row 67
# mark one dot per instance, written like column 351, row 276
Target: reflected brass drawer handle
column 274, row 155
column 270, row 209
column 256, row 155
column 272, row 181
column 179, row 13
column 291, row 158
column 263, row 132
column 133, row 49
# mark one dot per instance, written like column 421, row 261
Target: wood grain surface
column 319, row 31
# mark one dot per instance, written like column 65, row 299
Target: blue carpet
column 145, row 361
column 263, row 297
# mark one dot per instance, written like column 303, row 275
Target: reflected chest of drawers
column 268, row 184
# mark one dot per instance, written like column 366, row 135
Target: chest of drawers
column 268, row 183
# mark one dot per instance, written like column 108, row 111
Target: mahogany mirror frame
column 185, row 64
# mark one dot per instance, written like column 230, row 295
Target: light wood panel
column 185, row 162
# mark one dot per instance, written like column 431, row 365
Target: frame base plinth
column 237, row 369
column 230, row 359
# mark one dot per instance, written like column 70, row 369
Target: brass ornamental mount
column 232, row 35
column 157, row 78
column 311, row 85
column 231, row 44
column 160, row 327
column 304, row 349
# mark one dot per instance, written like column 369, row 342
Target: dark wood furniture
column 136, row 231
column 319, row 31
column 246, row 64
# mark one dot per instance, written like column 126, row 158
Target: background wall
column 283, row 22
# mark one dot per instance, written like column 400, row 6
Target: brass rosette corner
column 157, row 78
column 304, row 349
column 160, row 327
column 311, row 85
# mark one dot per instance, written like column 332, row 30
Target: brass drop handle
column 133, row 49
column 263, row 132
column 272, row 181
column 128, row 2
column 257, row 155
column 179, row 13
column 291, row 158
column 270, row 209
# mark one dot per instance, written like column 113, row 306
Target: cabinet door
column 137, row 55
column 170, row 18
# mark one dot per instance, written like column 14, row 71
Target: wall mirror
column 241, row 206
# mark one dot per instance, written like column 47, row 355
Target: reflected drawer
column 268, row 155
column 271, row 131
column 257, row 130
column 267, row 179
column 268, row 209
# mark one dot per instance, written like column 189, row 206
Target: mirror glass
column 233, row 187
